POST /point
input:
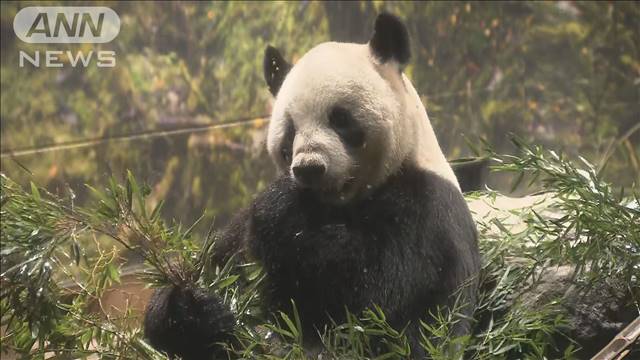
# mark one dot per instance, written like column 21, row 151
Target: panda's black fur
column 407, row 246
column 184, row 321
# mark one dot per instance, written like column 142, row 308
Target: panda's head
column 345, row 117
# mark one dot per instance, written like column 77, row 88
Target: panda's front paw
column 187, row 322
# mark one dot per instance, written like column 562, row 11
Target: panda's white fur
column 382, row 100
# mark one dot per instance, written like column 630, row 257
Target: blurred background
column 185, row 108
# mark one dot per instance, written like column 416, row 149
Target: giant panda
column 366, row 210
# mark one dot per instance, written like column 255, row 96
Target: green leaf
column 138, row 193
column 292, row 328
column 113, row 273
column 226, row 282
column 35, row 192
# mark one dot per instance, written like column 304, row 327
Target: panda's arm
column 185, row 321
column 232, row 240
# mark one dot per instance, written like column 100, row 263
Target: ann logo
column 41, row 25
column 66, row 24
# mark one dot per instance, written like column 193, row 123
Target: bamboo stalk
column 617, row 348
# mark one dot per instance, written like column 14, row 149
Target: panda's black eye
column 346, row 127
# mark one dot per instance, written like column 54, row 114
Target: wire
column 76, row 144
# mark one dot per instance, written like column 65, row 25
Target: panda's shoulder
column 425, row 195
column 422, row 186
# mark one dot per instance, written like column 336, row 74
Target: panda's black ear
column 275, row 69
column 390, row 40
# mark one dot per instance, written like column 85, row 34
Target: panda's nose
column 308, row 174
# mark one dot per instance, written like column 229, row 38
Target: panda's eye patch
column 343, row 123
column 340, row 118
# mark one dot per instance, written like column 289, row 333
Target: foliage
column 50, row 279
column 561, row 74
column 49, row 282
column 587, row 234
